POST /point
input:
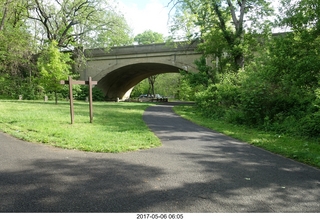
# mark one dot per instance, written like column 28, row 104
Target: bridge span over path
column 120, row 69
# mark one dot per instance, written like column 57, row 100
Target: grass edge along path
column 299, row 149
column 116, row 127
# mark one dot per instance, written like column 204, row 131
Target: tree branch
column 233, row 14
column 5, row 10
column 222, row 24
column 242, row 12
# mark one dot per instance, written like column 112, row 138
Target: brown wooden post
column 71, row 100
column 75, row 82
column 90, row 100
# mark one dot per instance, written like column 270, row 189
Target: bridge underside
column 116, row 83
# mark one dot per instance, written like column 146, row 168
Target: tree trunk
column 239, row 61
column 56, row 97
column 5, row 10
column 152, row 80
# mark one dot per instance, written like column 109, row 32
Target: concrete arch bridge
column 120, row 69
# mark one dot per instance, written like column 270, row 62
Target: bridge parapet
column 141, row 49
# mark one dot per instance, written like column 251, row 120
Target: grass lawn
column 303, row 150
column 116, row 127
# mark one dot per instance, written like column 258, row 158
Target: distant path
column 196, row 170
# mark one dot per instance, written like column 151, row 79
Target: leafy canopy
column 53, row 66
column 88, row 23
column 221, row 26
column 149, row 37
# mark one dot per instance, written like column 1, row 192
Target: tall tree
column 15, row 50
column 74, row 22
column 300, row 15
column 12, row 13
column 221, row 24
column 53, row 66
column 150, row 37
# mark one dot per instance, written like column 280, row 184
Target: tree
column 149, row 37
column 168, row 84
column 279, row 90
column 152, row 80
column 300, row 15
column 15, row 49
column 79, row 22
column 221, row 25
column 14, row 38
column 53, row 66
column 140, row 88
column 12, row 14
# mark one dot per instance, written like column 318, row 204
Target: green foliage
column 94, row 23
column 221, row 28
column 279, row 89
column 220, row 100
column 204, row 77
column 276, row 92
column 13, row 86
column 149, row 37
column 168, row 84
column 140, row 88
column 16, row 67
column 194, row 82
column 186, row 92
column 83, row 93
column 53, row 66
column 300, row 15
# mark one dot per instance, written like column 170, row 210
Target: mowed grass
column 116, row 127
column 304, row 150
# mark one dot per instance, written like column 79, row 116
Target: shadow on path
column 196, row 170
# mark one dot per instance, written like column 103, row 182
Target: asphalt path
column 196, row 170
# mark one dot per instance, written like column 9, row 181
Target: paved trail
column 196, row 170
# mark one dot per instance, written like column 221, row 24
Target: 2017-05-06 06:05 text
column 159, row 216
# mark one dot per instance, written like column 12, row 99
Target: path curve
column 196, row 170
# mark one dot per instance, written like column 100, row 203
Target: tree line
column 35, row 35
column 247, row 75
column 256, row 78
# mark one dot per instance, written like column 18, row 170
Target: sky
column 144, row 15
column 153, row 15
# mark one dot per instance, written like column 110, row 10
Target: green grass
column 299, row 149
column 116, row 127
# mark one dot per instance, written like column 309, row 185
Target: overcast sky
column 143, row 15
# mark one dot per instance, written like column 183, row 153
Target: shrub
column 310, row 126
column 220, row 100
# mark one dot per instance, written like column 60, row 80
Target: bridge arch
column 117, row 83
column 120, row 69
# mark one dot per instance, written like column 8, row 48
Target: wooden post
column 71, row 82
column 71, row 100
column 90, row 100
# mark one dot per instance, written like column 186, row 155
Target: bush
column 310, row 125
column 83, row 92
column 279, row 92
column 221, row 99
